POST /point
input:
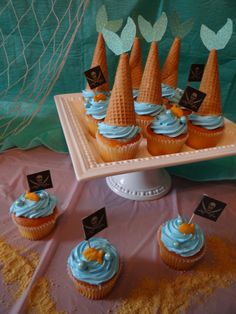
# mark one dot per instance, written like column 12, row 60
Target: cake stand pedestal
column 142, row 185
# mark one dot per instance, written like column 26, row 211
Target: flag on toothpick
column 210, row 208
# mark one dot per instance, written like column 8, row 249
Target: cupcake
column 99, row 58
column 206, row 127
column 181, row 244
column 166, row 134
column 96, row 112
column 35, row 214
column 118, row 137
column 94, row 270
column 149, row 101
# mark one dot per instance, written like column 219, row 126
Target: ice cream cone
column 210, row 85
column 120, row 110
column 150, row 88
column 170, row 68
column 99, row 58
column 135, row 63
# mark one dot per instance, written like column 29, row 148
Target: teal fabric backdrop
column 45, row 128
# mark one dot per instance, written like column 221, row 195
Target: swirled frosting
column 97, row 109
column 118, row 132
column 142, row 108
column 94, row 272
column 31, row 209
column 168, row 124
column 88, row 93
column 207, row 122
column 180, row 243
column 167, row 91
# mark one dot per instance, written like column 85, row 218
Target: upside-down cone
column 120, row 110
column 150, row 88
column 100, row 58
column 169, row 71
column 135, row 63
column 210, row 84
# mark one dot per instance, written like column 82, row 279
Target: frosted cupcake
column 118, row 137
column 181, row 245
column 94, row 270
column 149, row 101
column 166, row 134
column 96, row 112
column 35, row 214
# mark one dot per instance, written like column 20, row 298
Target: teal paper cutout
column 145, row 28
column 114, row 25
column 179, row 29
column 128, row 34
column 219, row 40
column 155, row 32
column 102, row 21
column 159, row 27
column 123, row 43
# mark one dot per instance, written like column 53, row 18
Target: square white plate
column 88, row 164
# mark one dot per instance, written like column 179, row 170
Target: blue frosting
column 167, row 91
column 118, row 132
column 32, row 209
column 135, row 93
column 93, row 272
column 207, row 122
column 168, row 124
column 180, row 243
column 97, row 109
column 88, row 93
column 147, row 109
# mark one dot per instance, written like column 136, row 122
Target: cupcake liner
column 175, row 261
column 92, row 125
column 116, row 153
column 36, row 233
column 143, row 122
column 161, row 144
column 203, row 138
column 94, row 292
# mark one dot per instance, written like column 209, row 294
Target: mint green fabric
column 45, row 128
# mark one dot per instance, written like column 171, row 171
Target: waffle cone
column 210, row 85
column 150, row 88
column 169, row 72
column 99, row 58
column 120, row 110
column 135, row 63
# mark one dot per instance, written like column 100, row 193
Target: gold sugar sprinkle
column 217, row 270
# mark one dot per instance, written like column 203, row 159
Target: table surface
column 132, row 229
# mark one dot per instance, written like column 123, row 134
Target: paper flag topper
column 210, row 208
column 196, row 72
column 94, row 223
column 39, row 181
column 192, row 98
column 95, row 77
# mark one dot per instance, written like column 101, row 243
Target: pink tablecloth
column 132, row 229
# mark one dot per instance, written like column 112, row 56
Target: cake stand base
column 141, row 185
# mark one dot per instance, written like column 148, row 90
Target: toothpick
column 89, row 244
column 190, row 220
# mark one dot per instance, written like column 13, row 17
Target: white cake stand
column 142, row 178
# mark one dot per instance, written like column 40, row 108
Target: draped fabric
column 45, row 128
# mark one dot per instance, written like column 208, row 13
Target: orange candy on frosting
column 177, row 111
column 32, row 196
column 187, row 228
column 99, row 97
column 92, row 254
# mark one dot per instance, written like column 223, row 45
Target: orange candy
column 187, row 228
column 32, row 196
column 92, row 254
column 177, row 111
column 99, row 97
